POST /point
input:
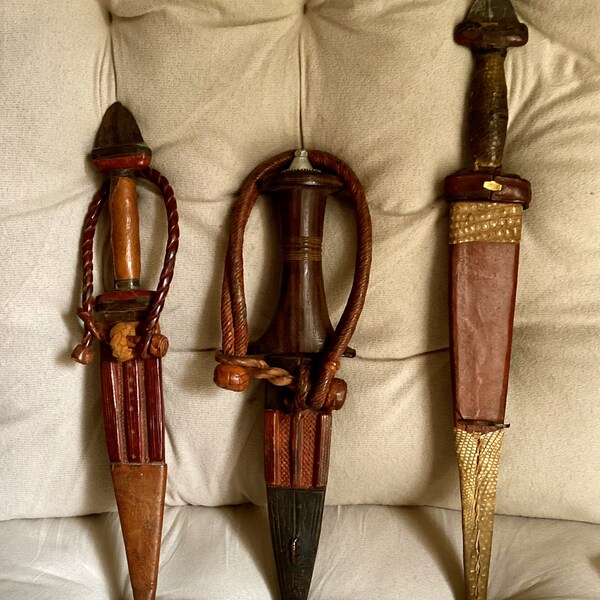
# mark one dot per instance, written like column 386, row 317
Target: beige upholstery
column 366, row 552
column 218, row 86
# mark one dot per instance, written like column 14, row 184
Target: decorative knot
column 123, row 340
column 234, row 372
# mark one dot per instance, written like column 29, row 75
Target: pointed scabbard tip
column 491, row 25
column 119, row 143
column 295, row 517
column 140, row 494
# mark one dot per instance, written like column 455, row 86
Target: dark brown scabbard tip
column 295, row 517
column 493, row 25
column 119, row 143
column 140, row 493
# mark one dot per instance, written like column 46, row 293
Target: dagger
column 486, row 209
column 125, row 321
column 301, row 350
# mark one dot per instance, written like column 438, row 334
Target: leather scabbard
column 485, row 234
column 134, row 426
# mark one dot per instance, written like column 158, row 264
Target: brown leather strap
column 476, row 185
column 233, row 304
column 83, row 352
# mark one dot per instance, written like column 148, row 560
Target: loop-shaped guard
column 83, row 352
column 233, row 304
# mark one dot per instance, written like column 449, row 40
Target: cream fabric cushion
column 366, row 552
column 219, row 86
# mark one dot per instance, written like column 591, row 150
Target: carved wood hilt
column 301, row 324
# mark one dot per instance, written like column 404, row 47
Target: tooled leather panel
column 485, row 222
column 297, row 449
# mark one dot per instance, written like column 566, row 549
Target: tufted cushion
column 366, row 552
column 219, row 86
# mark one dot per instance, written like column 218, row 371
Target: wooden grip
column 301, row 322
column 488, row 113
column 124, row 231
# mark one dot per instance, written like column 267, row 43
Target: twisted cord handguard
column 83, row 352
column 233, row 304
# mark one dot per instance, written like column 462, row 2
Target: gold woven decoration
column 478, row 460
column 121, row 340
column 485, row 222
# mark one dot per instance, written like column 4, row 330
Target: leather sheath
column 131, row 390
column 485, row 232
column 134, row 425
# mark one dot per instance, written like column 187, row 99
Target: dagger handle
column 488, row 111
column 124, row 229
column 301, row 322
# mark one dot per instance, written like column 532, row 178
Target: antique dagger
column 301, row 350
column 486, row 209
column 126, row 323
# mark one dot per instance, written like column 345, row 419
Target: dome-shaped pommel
column 234, row 378
column 301, row 174
column 119, row 143
column 491, row 25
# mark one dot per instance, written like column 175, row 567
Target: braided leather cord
column 86, row 312
column 166, row 275
column 233, row 303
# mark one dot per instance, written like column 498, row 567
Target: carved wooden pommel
column 491, row 36
column 491, row 25
column 119, row 143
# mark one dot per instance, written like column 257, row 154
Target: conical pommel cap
column 119, row 143
column 301, row 162
column 491, row 25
